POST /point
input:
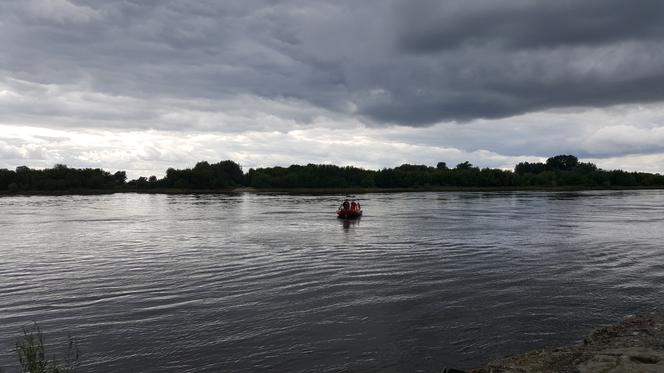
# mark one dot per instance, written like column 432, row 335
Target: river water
column 275, row 283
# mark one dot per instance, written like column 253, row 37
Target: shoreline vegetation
column 33, row 357
column 559, row 173
column 314, row 191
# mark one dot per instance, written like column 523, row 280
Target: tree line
column 60, row 178
column 557, row 171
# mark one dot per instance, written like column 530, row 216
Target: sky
column 143, row 85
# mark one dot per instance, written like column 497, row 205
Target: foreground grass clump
column 33, row 358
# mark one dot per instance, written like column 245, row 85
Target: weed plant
column 33, row 358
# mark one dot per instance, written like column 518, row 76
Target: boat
column 350, row 208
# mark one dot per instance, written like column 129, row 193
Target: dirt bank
column 634, row 345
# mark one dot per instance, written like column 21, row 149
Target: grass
column 33, row 358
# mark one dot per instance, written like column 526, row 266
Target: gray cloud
column 272, row 82
column 633, row 133
column 398, row 61
column 523, row 24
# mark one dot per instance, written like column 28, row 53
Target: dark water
column 248, row 282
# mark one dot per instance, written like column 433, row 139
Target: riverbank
column 311, row 191
column 634, row 345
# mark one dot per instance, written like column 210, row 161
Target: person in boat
column 353, row 206
column 345, row 205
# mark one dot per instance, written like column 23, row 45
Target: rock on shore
column 634, row 345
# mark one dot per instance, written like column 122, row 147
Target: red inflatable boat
column 350, row 208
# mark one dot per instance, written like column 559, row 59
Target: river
column 275, row 283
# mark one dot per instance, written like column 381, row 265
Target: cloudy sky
column 142, row 85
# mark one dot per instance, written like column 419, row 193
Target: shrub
column 33, row 358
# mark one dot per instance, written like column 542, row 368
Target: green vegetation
column 33, row 358
column 559, row 171
column 60, row 177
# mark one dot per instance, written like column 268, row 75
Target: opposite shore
column 561, row 172
column 315, row 191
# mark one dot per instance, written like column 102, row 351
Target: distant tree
column 202, row 165
column 22, row 169
column 205, row 176
column 586, row 167
column 6, row 177
column 464, row 166
column 180, row 184
column 141, row 182
column 533, row 168
column 412, row 167
column 260, row 180
column 562, row 163
column 368, row 182
column 441, row 166
column 120, row 177
column 23, row 177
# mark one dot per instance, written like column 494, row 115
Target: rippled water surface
column 276, row 283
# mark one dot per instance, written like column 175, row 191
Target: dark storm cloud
column 443, row 25
column 405, row 62
column 492, row 59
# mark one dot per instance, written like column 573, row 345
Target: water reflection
column 347, row 223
